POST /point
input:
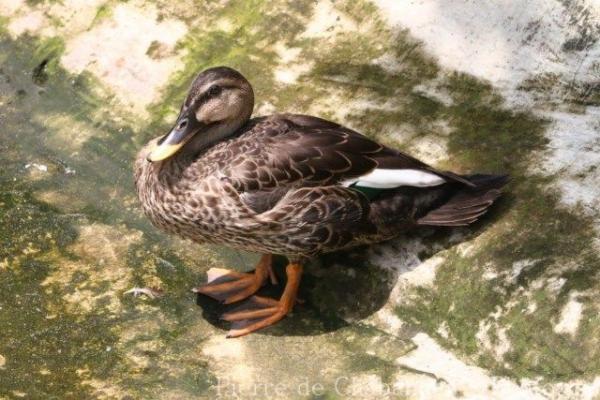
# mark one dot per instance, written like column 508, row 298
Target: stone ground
column 507, row 309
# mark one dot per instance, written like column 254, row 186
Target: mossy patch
column 529, row 224
column 43, row 344
column 65, row 265
column 367, row 78
column 104, row 12
column 574, row 94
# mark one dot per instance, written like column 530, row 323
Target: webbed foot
column 231, row 286
column 259, row 312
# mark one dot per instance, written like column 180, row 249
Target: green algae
column 44, row 345
column 103, row 13
column 533, row 226
column 51, row 274
column 156, row 345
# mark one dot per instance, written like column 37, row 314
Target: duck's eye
column 214, row 90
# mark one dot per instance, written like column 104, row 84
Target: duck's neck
column 211, row 136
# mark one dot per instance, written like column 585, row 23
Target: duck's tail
column 467, row 205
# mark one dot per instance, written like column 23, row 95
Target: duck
column 289, row 185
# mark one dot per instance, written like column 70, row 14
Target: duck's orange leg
column 263, row 311
column 232, row 286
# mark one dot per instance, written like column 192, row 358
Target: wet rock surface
column 505, row 309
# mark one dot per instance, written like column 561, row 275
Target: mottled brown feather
column 274, row 187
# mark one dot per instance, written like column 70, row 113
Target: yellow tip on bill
column 163, row 151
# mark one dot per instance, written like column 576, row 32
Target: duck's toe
column 230, row 286
column 259, row 312
column 254, row 314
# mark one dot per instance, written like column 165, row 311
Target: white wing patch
column 381, row 178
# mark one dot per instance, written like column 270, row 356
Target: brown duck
column 287, row 184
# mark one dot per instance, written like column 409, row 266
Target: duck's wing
column 298, row 150
column 318, row 219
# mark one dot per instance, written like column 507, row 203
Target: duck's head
column 219, row 102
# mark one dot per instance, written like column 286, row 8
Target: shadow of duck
column 341, row 288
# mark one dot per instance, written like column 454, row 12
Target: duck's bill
column 163, row 151
column 174, row 140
